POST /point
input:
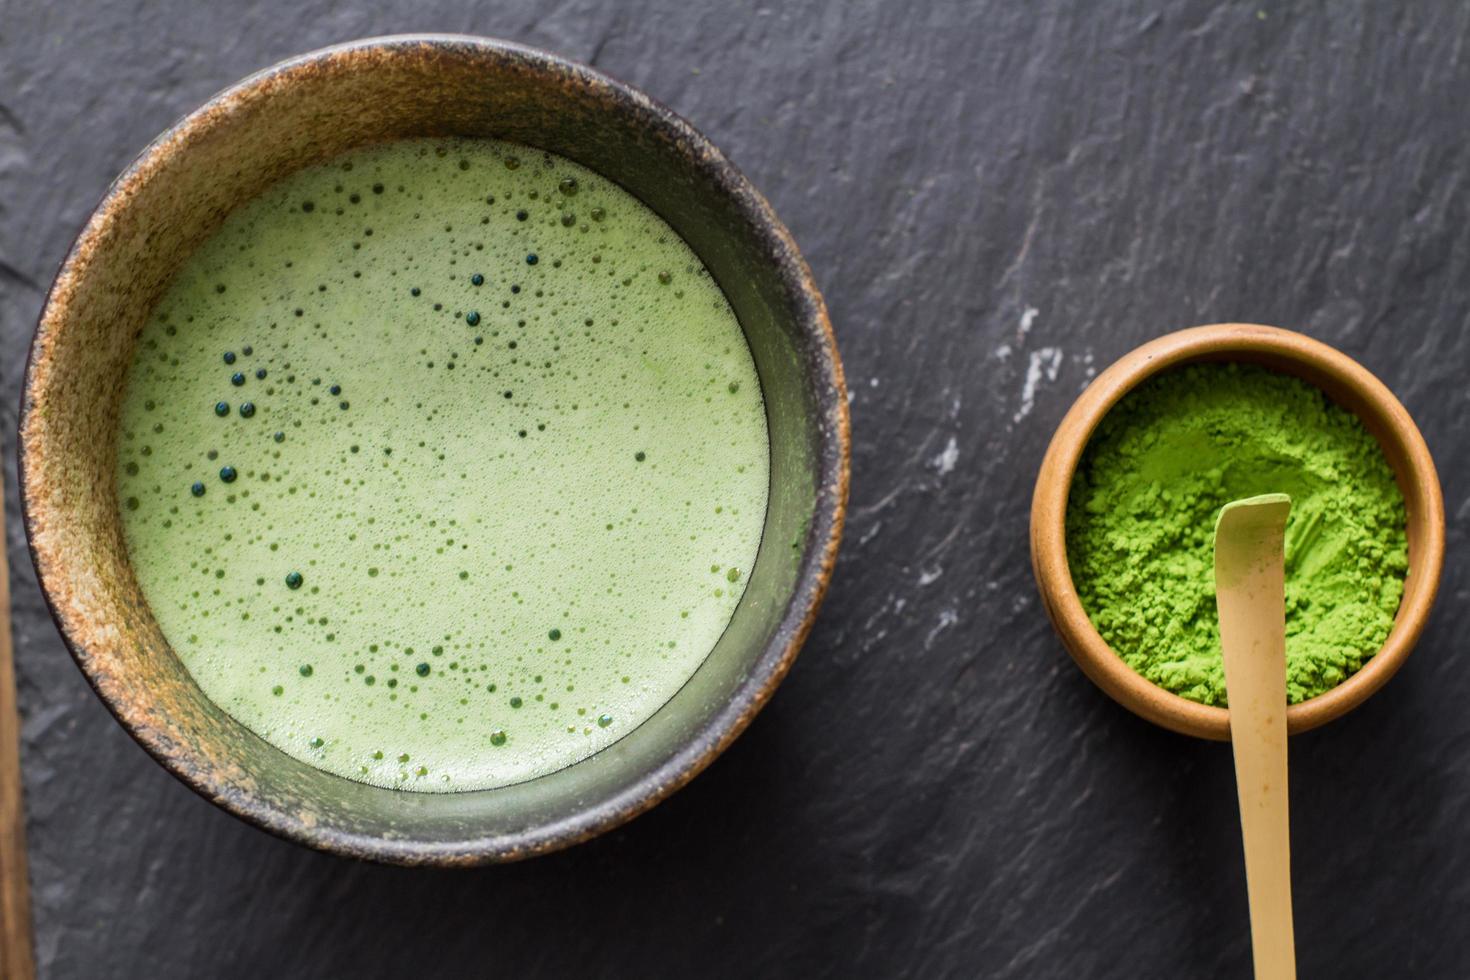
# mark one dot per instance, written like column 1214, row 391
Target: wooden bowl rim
column 1418, row 479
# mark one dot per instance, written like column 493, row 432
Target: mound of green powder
column 1141, row 518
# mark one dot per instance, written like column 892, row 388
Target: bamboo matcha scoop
column 1250, row 591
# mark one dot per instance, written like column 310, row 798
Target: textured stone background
column 998, row 199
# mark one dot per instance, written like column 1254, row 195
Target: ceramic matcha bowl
column 1344, row 381
column 300, row 113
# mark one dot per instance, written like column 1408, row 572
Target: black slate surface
column 998, row 199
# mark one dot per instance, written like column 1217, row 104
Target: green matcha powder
column 1142, row 511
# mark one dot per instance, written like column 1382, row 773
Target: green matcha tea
column 443, row 465
column 1141, row 518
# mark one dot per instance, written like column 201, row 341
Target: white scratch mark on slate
column 1028, row 317
column 945, row 461
column 1044, row 363
column 947, row 619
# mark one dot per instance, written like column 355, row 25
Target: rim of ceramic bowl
column 1380, row 411
column 832, row 466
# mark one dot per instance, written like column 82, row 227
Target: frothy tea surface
column 442, row 465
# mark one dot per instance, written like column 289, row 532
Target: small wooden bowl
column 1348, row 384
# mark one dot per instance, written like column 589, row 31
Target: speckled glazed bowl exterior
column 1348, row 384
column 299, row 113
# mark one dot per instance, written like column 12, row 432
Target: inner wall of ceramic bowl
column 177, row 196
